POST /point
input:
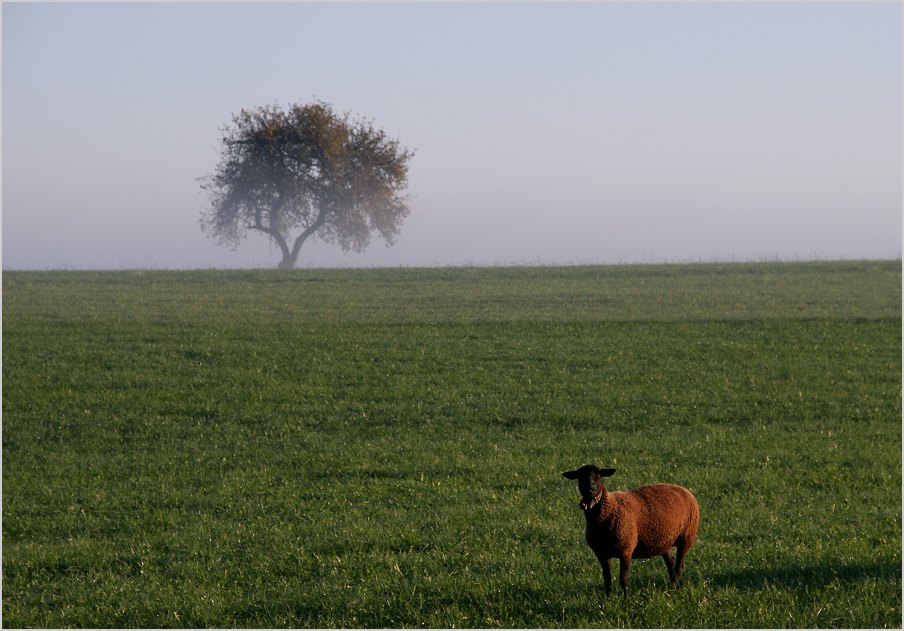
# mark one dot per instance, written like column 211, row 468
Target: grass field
column 384, row 448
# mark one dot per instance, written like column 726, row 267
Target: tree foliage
column 306, row 171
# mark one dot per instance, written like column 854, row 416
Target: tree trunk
column 290, row 258
column 288, row 262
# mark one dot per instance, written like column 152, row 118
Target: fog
column 544, row 134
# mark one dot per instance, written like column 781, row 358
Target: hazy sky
column 544, row 133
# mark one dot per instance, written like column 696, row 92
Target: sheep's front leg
column 624, row 564
column 607, row 573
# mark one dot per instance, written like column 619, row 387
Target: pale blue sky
column 544, row 133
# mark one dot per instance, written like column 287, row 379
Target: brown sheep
column 640, row 524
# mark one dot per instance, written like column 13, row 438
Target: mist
column 544, row 134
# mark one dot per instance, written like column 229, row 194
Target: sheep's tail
column 693, row 522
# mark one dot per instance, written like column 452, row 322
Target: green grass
column 384, row 448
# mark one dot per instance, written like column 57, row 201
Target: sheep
column 640, row 524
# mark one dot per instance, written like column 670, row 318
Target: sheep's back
column 664, row 512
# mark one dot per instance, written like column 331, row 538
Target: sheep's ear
column 571, row 475
column 605, row 472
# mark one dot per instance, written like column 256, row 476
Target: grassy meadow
column 384, row 448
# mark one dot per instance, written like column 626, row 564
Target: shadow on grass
column 806, row 575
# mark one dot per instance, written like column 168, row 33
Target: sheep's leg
column 607, row 576
column 607, row 573
column 679, row 559
column 624, row 564
column 670, row 564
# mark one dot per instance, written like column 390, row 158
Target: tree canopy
column 306, row 171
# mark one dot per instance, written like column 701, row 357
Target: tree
column 306, row 169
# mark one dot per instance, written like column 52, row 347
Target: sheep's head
column 590, row 484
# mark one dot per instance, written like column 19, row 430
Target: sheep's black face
column 590, row 484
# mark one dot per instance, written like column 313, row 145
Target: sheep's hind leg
column 670, row 564
column 679, row 558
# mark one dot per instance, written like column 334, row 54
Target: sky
column 552, row 134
